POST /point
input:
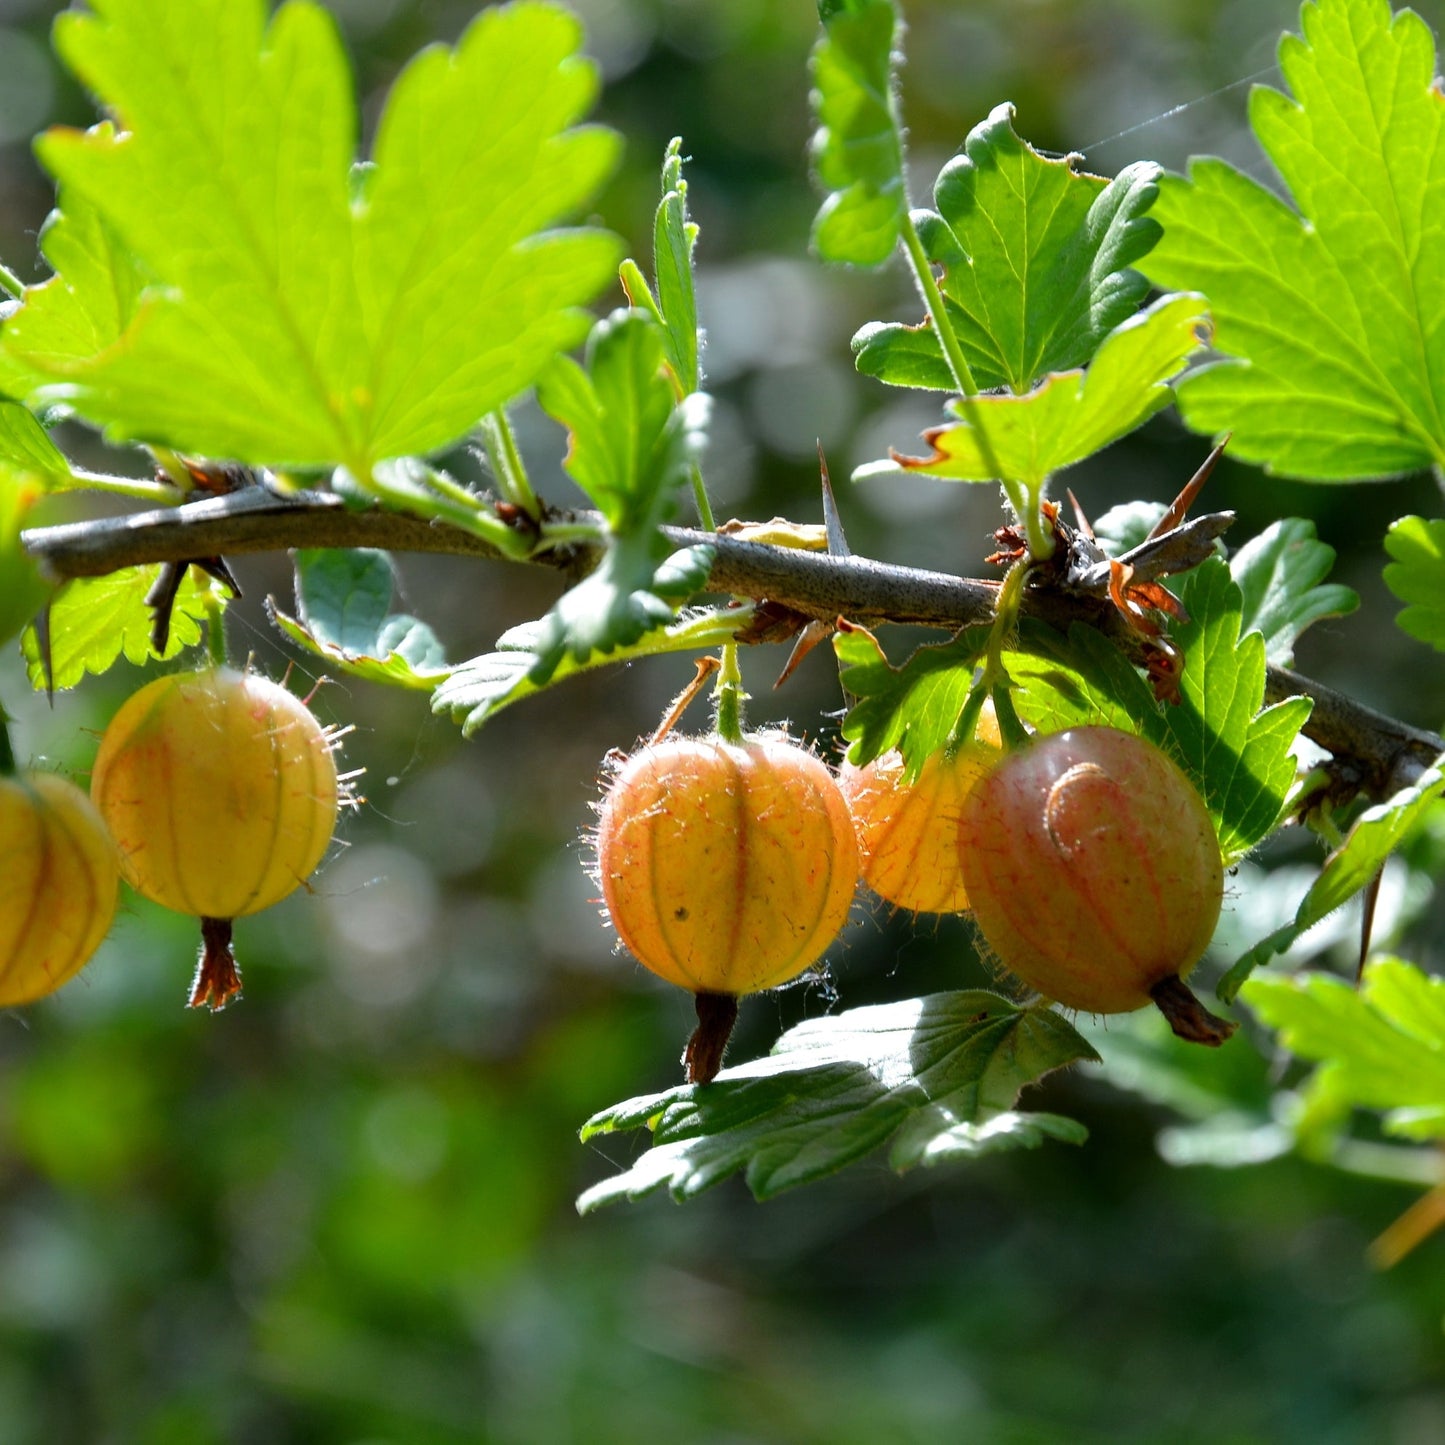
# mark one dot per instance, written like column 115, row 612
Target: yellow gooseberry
column 726, row 868
column 907, row 832
column 58, row 884
column 221, row 792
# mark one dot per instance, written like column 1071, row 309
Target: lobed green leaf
column 1381, row 1046
column 857, row 147
column 1070, row 415
column 95, row 621
column 1035, row 260
column 939, row 1076
column 343, row 596
column 305, row 310
column 1331, row 317
column 1417, row 577
column 1279, row 574
column 1374, row 835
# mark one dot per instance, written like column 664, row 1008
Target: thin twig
column 1390, row 754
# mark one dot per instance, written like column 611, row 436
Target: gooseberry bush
column 1104, row 730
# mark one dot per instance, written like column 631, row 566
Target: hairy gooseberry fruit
column 1094, row 874
column 908, row 832
column 58, row 883
column 726, row 868
column 220, row 789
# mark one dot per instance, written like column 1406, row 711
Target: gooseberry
column 907, row 832
column 726, row 868
column 58, row 884
column 221, row 791
column 1095, row 875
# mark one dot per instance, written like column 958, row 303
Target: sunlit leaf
column 1332, row 316
column 1375, row 834
column 1070, row 415
column 1035, row 260
column 1417, row 577
column 310, row 311
column 95, row 621
column 857, row 147
column 1382, row 1045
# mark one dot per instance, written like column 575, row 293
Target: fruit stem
column 716, row 1015
column 215, row 629
column 994, row 680
column 217, row 980
column 728, row 691
column 1187, row 1016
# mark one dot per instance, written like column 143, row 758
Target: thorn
column 1085, row 526
column 832, row 522
column 1181, row 504
column 1367, row 920
column 808, row 639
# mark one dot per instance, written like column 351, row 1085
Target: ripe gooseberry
column 58, row 884
column 1094, row 874
column 220, row 789
column 907, row 832
column 726, row 868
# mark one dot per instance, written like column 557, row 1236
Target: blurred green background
column 342, row 1210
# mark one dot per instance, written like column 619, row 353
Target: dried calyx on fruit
column 221, row 791
column 1094, row 873
column 907, row 831
column 58, row 882
column 727, row 866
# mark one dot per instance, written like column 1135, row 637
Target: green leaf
column 631, row 446
column 94, row 621
column 1035, row 258
column 913, row 707
column 1382, row 1046
column 344, row 596
column 1375, row 834
column 858, row 146
column 1279, row 574
column 81, row 311
column 26, row 447
column 309, row 311
column 939, row 1076
column 1332, row 316
column 475, row 691
column 1072, row 414
column 674, row 237
column 1239, row 754
column 1417, row 577
column 22, row 589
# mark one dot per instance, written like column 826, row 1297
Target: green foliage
column 25, row 447
column 344, row 596
column 1349, row 386
column 95, row 621
column 914, row 707
column 319, row 311
column 1417, row 577
column 1072, row 414
column 1279, row 574
column 857, row 147
column 631, row 446
column 1374, row 835
column 939, row 1076
column 1381, row 1046
column 476, row 690
column 1035, row 259
column 22, row 589
column 674, row 237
